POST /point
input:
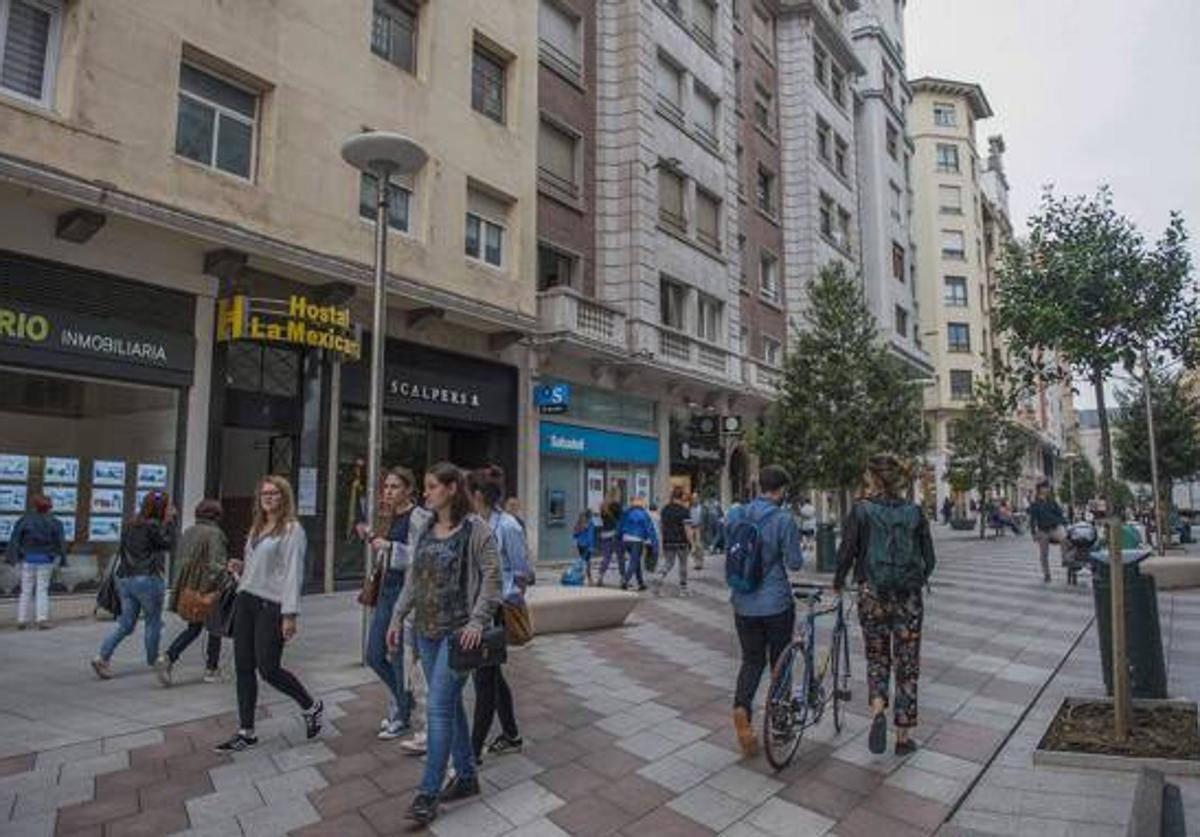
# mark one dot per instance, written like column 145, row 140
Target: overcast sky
column 1085, row 92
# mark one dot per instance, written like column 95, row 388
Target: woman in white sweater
column 268, row 601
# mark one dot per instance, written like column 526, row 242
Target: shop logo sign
column 295, row 321
column 699, row 454
column 20, row 325
column 436, row 395
column 568, row 443
column 44, row 328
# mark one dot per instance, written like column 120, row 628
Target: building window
column 893, row 141
column 399, row 202
column 764, row 107
column 704, row 21
column 772, row 352
column 827, row 213
column 765, row 191
column 898, row 263
column 897, row 201
column 960, row 384
column 557, row 158
column 824, row 140
column 394, row 33
column 741, row 242
column 29, row 48
column 704, row 116
column 671, row 299
column 837, row 84
column 762, row 30
column 741, row 180
column 487, row 84
column 768, row 277
column 486, row 217
column 841, row 153
column 216, row 122
column 556, row 268
column 743, row 346
column 820, row 66
column 947, row 158
column 708, row 215
column 956, row 291
column 958, row 337
column 944, row 115
column 845, row 219
column 889, row 83
column 559, row 44
column 901, row 322
column 670, row 199
column 669, row 81
column 950, row 200
column 708, row 318
column 737, row 85
column 954, row 245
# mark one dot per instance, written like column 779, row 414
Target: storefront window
column 603, row 407
column 94, row 448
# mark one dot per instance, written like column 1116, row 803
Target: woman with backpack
column 36, row 543
column 886, row 542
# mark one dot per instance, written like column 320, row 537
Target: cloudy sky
column 1085, row 92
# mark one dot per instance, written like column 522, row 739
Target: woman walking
column 394, row 540
column 677, row 537
column 1048, row 525
column 886, row 541
column 610, row 544
column 639, row 541
column 492, row 694
column 36, row 543
column 264, row 614
column 203, row 554
column 453, row 590
column 141, row 560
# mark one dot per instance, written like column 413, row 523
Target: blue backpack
column 744, row 564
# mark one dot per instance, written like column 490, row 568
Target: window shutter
column 706, row 113
column 668, row 83
column 26, row 41
column 487, row 207
column 670, row 193
column 706, row 218
column 556, row 154
column 559, row 30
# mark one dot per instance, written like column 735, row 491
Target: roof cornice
column 970, row 91
column 827, row 30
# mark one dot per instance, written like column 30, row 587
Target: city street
column 627, row 731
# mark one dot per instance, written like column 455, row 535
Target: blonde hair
column 287, row 508
column 887, row 474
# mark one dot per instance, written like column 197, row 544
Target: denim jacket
column 514, row 555
column 637, row 525
column 781, row 552
column 36, row 534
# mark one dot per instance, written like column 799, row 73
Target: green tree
column 987, row 445
column 1084, row 294
column 1079, row 471
column 843, row 396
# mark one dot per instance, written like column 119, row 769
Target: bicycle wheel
column 783, row 716
column 840, row 669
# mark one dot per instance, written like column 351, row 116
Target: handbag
column 368, row 596
column 491, row 651
column 220, row 618
column 518, row 624
column 194, row 606
column 107, row 597
column 1057, row 535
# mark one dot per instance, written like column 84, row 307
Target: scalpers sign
column 294, row 320
column 434, row 394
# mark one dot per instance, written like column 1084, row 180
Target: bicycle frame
column 804, row 691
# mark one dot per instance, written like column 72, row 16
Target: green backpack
column 894, row 560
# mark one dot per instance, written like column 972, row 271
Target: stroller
column 1080, row 541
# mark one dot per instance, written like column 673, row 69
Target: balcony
column 760, row 377
column 565, row 312
column 682, row 351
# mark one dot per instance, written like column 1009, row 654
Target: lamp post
column 1158, row 516
column 381, row 155
column 1070, row 456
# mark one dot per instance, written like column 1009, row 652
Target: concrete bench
column 556, row 609
column 1172, row 572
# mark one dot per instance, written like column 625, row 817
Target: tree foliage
column 1176, row 431
column 1086, row 485
column 843, row 395
column 987, row 445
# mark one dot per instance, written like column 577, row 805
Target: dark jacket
column 1044, row 515
column 144, row 546
column 610, row 516
column 203, row 552
column 856, row 534
column 36, row 533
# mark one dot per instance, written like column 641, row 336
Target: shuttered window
column 708, row 213
column 558, row 39
column 670, row 199
column 29, row 48
column 556, row 158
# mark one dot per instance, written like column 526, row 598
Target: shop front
column 95, row 371
column 696, row 454
column 438, row 406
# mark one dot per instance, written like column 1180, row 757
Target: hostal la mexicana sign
column 295, row 321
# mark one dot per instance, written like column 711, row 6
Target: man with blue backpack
column 762, row 543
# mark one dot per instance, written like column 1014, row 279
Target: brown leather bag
column 368, row 596
column 194, row 606
column 518, row 625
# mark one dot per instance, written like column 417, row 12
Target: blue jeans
column 138, row 593
column 389, row 667
column 445, row 719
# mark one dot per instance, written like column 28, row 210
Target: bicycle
column 797, row 700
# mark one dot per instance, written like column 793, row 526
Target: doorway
column 246, row 456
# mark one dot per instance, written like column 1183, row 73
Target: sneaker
column 212, row 675
column 423, row 809
column 461, row 787
column 877, row 740
column 239, row 742
column 162, row 668
column 906, row 747
column 745, row 733
column 102, row 668
column 414, row 746
column 502, row 745
column 313, row 719
column 394, row 729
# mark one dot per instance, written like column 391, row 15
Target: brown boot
column 745, row 733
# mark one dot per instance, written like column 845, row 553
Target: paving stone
column 204, row 811
column 307, row 755
column 30, row 780
column 349, row 824
column 744, row 785
column 39, row 825
column 908, row 807
column 867, row 822
column 648, row 745
column 675, row 774
column 150, row 823
column 296, row 783
column 473, row 819
column 133, row 740
column 63, row 755
column 97, row 812
column 94, row 766
column 278, row 818
column 507, row 771
column 538, row 828
column 635, row 795
column 571, row 781
column 823, row 798
column 710, row 807
column 784, row 819
column 524, row 803
column 53, row 797
column 708, row 756
column 243, row 773
column 943, row 765
column 930, row 785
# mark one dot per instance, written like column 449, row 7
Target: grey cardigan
column 483, row 590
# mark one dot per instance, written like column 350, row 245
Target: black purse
column 107, row 597
column 220, row 618
column 491, row 651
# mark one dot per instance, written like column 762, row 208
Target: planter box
column 1128, row 764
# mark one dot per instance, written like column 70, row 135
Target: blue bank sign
column 588, row 443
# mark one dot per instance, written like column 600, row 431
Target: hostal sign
column 295, row 321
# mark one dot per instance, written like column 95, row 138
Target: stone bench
column 1172, row 572
column 556, row 609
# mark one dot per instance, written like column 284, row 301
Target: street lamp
column 1070, row 456
column 381, row 155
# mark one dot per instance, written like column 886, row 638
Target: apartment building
column 190, row 258
column 948, row 227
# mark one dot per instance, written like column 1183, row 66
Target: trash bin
column 826, row 548
column 1143, row 635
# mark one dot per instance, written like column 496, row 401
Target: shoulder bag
column 219, row 621
column 368, row 596
column 518, row 624
column 107, row 597
column 491, row 651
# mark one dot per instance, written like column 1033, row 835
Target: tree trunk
column 1122, row 710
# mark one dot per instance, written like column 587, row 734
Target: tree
column 1082, row 477
column 987, row 445
column 843, row 396
column 1087, row 292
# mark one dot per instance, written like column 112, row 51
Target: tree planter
column 1164, row 736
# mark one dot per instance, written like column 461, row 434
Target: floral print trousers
column 891, row 626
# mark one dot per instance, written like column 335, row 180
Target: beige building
column 158, row 157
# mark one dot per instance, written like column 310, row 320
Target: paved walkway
column 627, row 731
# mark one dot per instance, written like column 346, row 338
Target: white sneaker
column 383, row 724
column 393, row 729
column 212, row 675
column 414, row 746
column 162, row 667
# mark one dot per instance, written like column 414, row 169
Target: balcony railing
column 759, row 376
column 680, row 349
column 566, row 311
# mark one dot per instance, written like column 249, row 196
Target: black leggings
column 492, row 697
column 212, row 652
column 258, row 647
column 760, row 637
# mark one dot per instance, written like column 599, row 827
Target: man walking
column 1048, row 525
column 763, row 543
